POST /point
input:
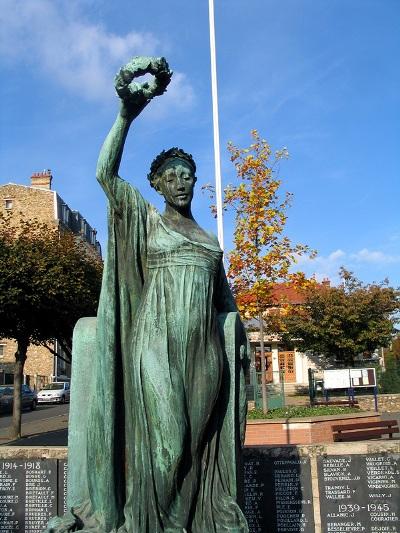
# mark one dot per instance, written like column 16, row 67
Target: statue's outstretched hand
column 135, row 96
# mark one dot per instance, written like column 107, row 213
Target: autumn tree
column 263, row 255
column 48, row 280
column 345, row 321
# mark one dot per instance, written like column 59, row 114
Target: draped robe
column 156, row 449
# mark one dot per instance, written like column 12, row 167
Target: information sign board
column 362, row 377
column 346, row 378
column 337, row 379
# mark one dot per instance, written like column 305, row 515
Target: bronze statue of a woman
column 158, row 404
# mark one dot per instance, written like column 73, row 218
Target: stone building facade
column 37, row 201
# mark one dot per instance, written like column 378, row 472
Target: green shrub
column 389, row 379
column 295, row 411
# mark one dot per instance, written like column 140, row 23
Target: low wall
column 326, row 488
column 387, row 403
column 312, row 430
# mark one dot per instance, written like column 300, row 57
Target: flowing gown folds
column 159, row 456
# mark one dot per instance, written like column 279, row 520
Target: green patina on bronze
column 158, row 402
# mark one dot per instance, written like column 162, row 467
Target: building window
column 2, row 350
column 8, row 203
column 65, row 214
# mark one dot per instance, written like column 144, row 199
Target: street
column 42, row 412
column 46, row 426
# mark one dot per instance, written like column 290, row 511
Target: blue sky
column 319, row 77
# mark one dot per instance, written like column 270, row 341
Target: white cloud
column 323, row 267
column 337, row 254
column 328, row 266
column 394, row 237
column 180, row 94
column 79, row 56
column 371, row 256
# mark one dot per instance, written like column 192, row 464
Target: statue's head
column 172, row 174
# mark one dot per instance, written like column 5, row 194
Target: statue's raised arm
column 134, row 97
column 157, row 448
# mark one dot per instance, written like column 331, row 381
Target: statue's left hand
column 135, row 96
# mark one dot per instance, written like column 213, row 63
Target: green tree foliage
column 389, row 377
column 48, row 280
column 344, row 321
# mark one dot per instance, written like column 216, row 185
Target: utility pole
column 217, row 159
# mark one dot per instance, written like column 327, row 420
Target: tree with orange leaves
column 263, row 256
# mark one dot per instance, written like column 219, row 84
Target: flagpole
column 217, row 159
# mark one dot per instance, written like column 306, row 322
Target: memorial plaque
column 62, row 486
column 359, row 493
column 278, row 493
column 28, row 494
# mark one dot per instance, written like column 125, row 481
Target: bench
column 364, row 430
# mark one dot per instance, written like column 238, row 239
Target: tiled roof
column 286, row 293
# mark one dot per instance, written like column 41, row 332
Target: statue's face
column 177, row 183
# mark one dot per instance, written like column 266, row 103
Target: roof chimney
column 41, row 180
column 326, row 282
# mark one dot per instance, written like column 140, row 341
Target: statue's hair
column 172, row 153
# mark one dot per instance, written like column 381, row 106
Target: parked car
column 54, row 393
column 28, row 397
